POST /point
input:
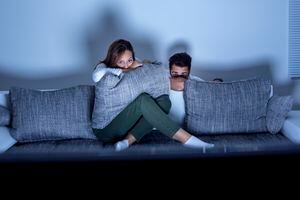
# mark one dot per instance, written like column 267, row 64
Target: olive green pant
column 139, row 118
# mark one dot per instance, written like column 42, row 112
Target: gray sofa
column 153, row 146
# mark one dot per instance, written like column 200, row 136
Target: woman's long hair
column 116, row 49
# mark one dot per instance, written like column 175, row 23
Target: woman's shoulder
column 100, row 66
column 101, row 69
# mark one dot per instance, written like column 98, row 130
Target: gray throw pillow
column 4, row 116
column 278, row 109
column 52, row 115
column 113, row 93
column 228, row 107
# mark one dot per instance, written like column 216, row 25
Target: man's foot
column 197, row 143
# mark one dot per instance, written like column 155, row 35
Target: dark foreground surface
column 259, row 158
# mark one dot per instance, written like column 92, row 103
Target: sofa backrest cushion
column 113, row 93
column 52, row 115
column 4, row 116
column 278, row 109
column 226, row 107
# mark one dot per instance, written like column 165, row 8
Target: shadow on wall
column 237, row 71
column 244, row 70
column 72, row 79
column 178, row 47
column 110, row 25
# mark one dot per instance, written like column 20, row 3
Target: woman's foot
column 121, row 145
column 124, row 144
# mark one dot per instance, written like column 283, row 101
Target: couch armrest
column 291, row 126
column 6, row 140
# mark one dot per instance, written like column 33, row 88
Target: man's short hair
column 181, row 60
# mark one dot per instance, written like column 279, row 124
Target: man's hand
column 177, row 84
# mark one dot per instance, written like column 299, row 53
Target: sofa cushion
column 4, row 116
column 4, row 101
column 226, row 107
column 291, row 126
column 6, row 140
column 52, row 115
column 113, row 93
column 151, row 145
column 278, row 109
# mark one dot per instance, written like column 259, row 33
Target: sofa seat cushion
column 154, row 145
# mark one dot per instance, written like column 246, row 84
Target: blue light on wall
column 45, row 39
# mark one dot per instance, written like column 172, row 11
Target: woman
column 144, row 113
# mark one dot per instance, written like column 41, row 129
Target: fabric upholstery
column 6, row 140
column 4, row 116
column 278, row 109
column 4, row 99
column 113, row 93
column 52, row 115
column 226, row 107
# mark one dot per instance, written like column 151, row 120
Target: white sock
column 197, row 143
column 121, row 145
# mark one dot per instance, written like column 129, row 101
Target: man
column 180, row 67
